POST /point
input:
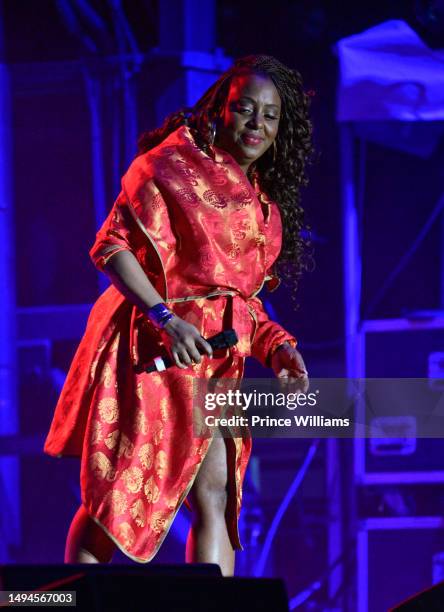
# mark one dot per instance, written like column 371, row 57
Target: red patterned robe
column 200, row 231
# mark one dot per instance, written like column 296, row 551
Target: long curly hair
column 280, row 171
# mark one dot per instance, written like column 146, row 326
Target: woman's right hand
column 185, row 342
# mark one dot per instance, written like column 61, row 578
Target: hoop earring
column 274, row 153
column 213, row 132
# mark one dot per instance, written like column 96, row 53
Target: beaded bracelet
column 159, row 315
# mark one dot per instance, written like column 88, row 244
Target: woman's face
column 250, row 118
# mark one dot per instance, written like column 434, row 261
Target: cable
column 260, row 565
column 301, row 597
column 317, row 584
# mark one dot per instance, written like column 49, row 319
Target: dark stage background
column 84, row 80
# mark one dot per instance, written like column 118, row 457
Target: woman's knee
column 209, row 497
column 209, row 492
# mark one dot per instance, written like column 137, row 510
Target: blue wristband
column 159, row 315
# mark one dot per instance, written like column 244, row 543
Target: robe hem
column 166, row 531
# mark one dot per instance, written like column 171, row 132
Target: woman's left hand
column 289, row 367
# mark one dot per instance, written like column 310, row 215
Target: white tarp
column 388, row 72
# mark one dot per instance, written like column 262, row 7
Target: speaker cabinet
column 194, row 588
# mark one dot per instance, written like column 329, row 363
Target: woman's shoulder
column 179, row 144
column 154, row 168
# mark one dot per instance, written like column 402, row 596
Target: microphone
column 223, row 340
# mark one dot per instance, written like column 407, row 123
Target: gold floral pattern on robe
column 198, row 228
column 138, row 513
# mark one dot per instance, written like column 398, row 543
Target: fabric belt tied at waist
column 228, row 322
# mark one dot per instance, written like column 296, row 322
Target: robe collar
column 219, row 156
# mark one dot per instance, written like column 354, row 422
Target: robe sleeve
column 139, row 222
column 268, row 336
column 116, row 234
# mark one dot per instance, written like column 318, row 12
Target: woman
column 190, row 241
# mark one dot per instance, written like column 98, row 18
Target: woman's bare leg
column 208, row 540
column 86, row 541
